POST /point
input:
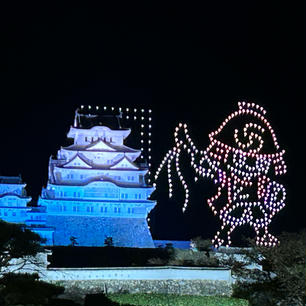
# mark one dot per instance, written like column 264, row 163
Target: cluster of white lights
column 145, row 118
column 188, row 146
column 236, row 170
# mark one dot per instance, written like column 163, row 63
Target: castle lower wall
column 92, row 231
column 77, row 290
column 165, row 279
column 176, row 280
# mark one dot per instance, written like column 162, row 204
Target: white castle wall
column 169, row 279
column 139, row 273
column 40, row 263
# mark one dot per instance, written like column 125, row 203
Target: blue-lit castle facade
column 14, row 208
column 95, row 190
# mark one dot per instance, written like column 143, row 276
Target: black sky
column 187, row 62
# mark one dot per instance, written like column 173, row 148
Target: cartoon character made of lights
column 241, row 163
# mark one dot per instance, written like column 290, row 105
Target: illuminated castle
column 95, row 190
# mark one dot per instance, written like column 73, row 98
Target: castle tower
column 14, row 208
column 96, row 190
column 13, row 200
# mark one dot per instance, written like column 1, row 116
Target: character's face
column 243, row 166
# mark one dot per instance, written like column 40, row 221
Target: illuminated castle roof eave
column 117, row 184
column 122, row 148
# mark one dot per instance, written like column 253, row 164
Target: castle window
column 115, row 209
column 104, row 209
column 123, row 195
column 88, row 209
column 74, row 208
column 14, row 214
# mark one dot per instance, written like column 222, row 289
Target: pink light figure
column 241, row 163
column 242, row 170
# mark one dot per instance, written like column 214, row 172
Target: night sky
column 187, row 63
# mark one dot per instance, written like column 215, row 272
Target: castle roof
column 98, row 129
column 11, row 194
column 10, row 180
column 100, row 167
column 80, row 162
column 104, row 179
column 100, row 146
column 124, row 163
column 87, row 120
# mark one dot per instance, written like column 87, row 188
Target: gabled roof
column 11, row 194
column 77, row 162
column 105, row 179
column 99, row 145
column 124, row 163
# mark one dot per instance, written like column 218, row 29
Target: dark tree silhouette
column 17, row 242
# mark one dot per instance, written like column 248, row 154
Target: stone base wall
column 78, row 289
column 92, row 231
column 171, row 280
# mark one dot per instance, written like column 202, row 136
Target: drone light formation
column 241, row 169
